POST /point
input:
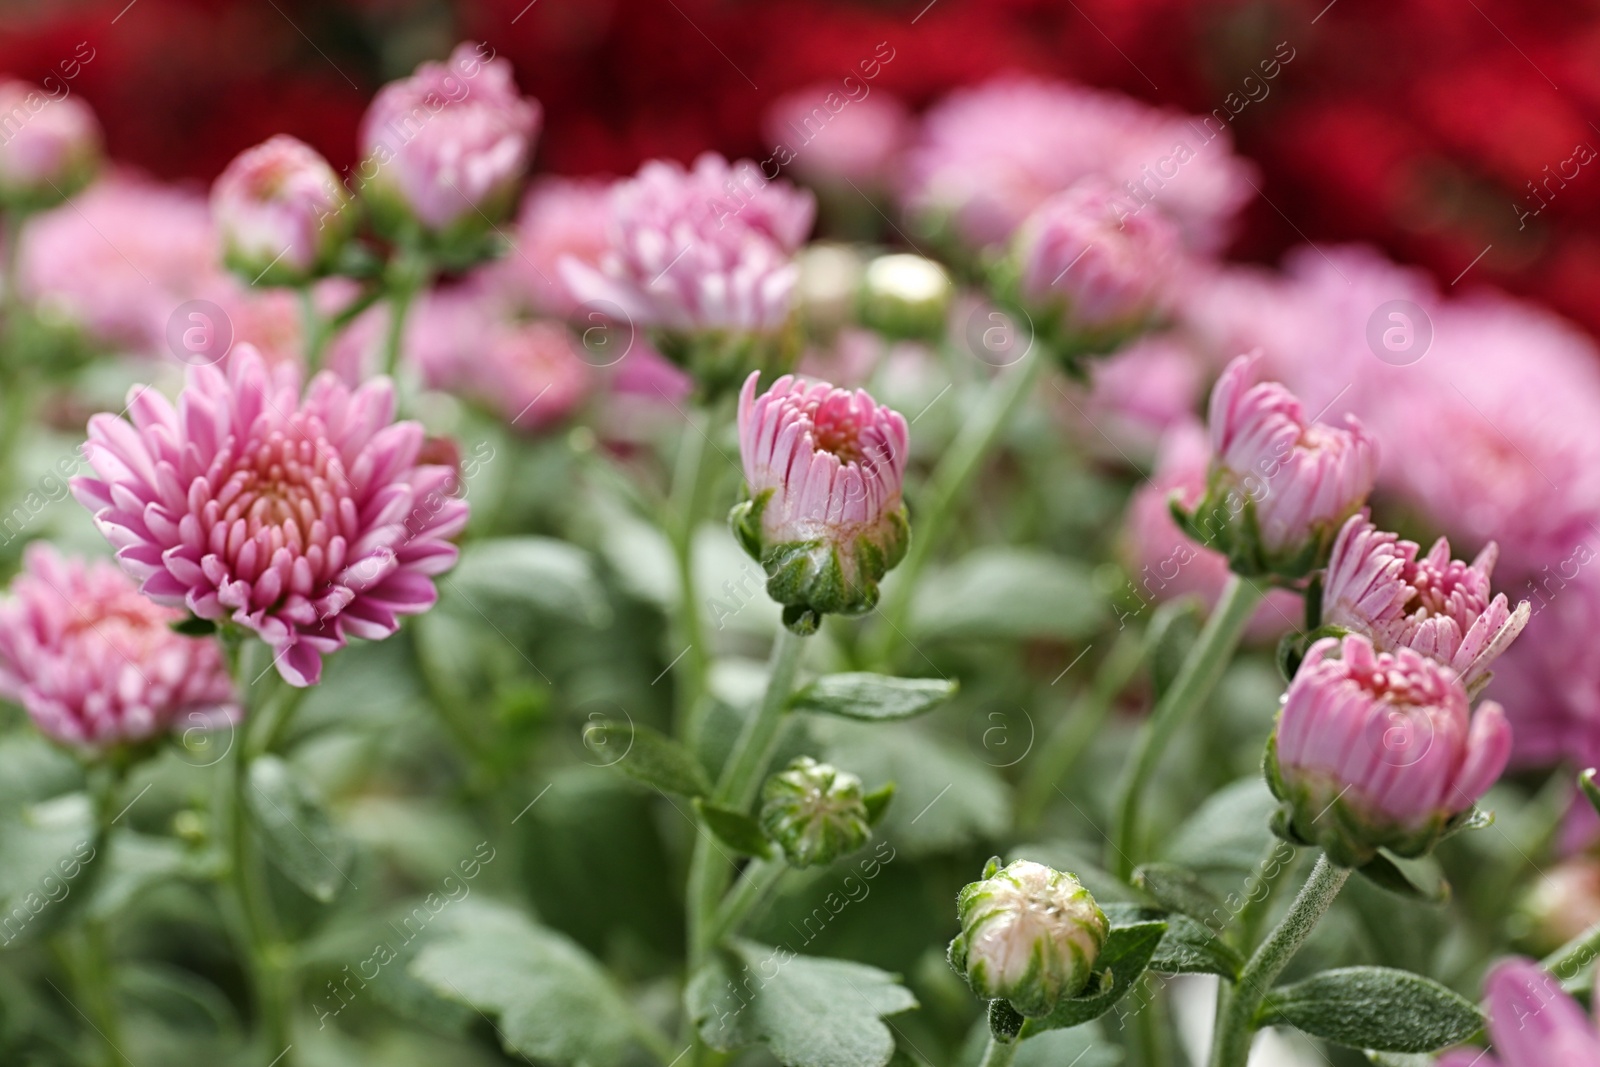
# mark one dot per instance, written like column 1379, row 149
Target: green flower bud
column 1029, row 935
column 814, row 812
column 907, row 296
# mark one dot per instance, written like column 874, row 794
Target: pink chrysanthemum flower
column 97, row 664
column 834, row 141
column 708, row 248
column 1533, row 1022
column 1378, row 749
column 281, row 212
column 307, row 520
column 446, row 147
column 823, row 467
column 49, row 146
column 1438, row 606
column 559, row 217
column 1280, row 486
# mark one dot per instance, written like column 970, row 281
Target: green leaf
column 553, row 577
column 1125, row 957
column 300, row 839
column 1189, row 946
column 1399, row 1059
column 555, row 1003
column 1374, row 1008
column 1178, row 889
column 808, row 1011
column 1081, row 1046
column 1229, row 832
column 194, row 626
column 1009, row 594
column 735, row 829
column 648, row 756
column 877, row 802
column 1419, row 879
column 872, row 697
column 52, row 864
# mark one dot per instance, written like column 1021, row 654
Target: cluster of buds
column 1279, row 487
column 1030, row 935
column 824, row 518
column 814, row 812
column 49, row 149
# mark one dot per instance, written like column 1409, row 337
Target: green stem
column 408, row 275
column 1231, row 1046
column 1198, row 676
column 1280, row 860
column 1575, row 956
column 684, row 514
column 11, row 294
column 91, row 968
column 937, row 504
column 315, row 331
column 1076, row 729
column 755, row 882
column 736, row 788
column 999, row 1052
column 1149, row 1037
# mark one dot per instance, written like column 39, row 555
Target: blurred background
column 1453, row 133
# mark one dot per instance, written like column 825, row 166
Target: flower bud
column 1438, row 606
column 830, row 280
column 281, row 213
column 1279, row 487
column 823, row 468
column 447, row 147
column 49, row 146
column 1029, row 935
column 1377, row 749
column 1533, row 1022
column 905, row 296
column 814, row 812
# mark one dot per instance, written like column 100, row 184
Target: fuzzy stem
column 1198, row 676
column 758, row 878
column 1231, row 1045
column 999, row 1052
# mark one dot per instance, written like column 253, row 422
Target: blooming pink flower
column 823, row 468
column 1440, row 607
column 1533, row 1022
column 97, row 664
column 1280, row 486
column 1380, row 749
column 987, row 156
column 709, row 248
column 281, row 212
column 49, row 148
column 835, row 140
column 307, row 520
column 449, row 144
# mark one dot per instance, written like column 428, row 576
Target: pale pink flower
column 559, row 217
column 447, row 147
column 281, row 212
column 1533, row 1022
column 307, row 520
column 823, row 468
column 1438, row 606
column 1379, row 749
column 1280, row 485
column 1137, row 394
column 707, row 248
column 49, row 145
column 836, row 140
column 987, row 156
column 95, row 663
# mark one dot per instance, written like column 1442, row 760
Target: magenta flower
column 1440, row 607
column 306, row 520
column 446, row 148
column 281, row 212
column 823, row 468
column 96, row 664
column 1533, row 1022
column 1280, row 486
column 1380, row 749
column 706, row 249
column 49, row 146
column 836, row 141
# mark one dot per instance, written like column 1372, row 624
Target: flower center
column 835, row 428
column 286, row 490
column 1450, row 589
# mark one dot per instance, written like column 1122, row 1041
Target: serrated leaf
column 807, row 1011
column 647, row 756
column 872, row 697
column 1178, row 889
column 298, row 837
column 1009, row 594
column 551, row 576
column 1124, row 958
column 1189, row 946
column 738, row 831
column 1377, row 1008
column 555, row 1004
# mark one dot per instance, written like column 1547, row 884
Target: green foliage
column 872, row 697
column 1374, row 1008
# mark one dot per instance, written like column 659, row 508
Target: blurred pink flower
column 987, row 156
column 1533, row 1022
column 94, row 662
column 281, row 212
column 1376, row 586
column 307, row 520
column 1378, row 749
column 1135, row 395
column 710, row 248
column 857, row 142
column 447, row 146
column 823, row 467
column 560, row 217
column 49, row 146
